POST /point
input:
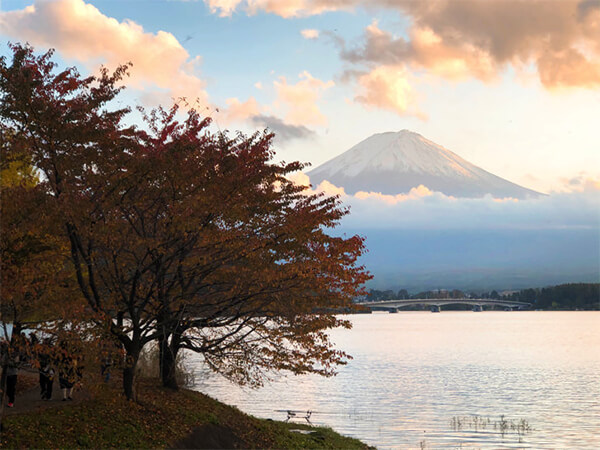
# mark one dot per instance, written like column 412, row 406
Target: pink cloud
column 80, row 31
column 471, row 38
column 300, row 100
column 237, row 110
column 283, row 8
column 387, row 87
column 480, row 38
column 310, row 34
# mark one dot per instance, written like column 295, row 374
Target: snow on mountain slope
column 394, row 162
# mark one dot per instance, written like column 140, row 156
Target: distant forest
column 574, row 296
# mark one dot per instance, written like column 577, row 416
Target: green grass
column 159, row 419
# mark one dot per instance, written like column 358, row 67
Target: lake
column 450, row 380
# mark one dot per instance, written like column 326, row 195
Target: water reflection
column 413, row 372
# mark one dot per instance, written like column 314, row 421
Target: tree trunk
column 128, row 383
column 132, row 350
column 168, row 361
column 168, row 370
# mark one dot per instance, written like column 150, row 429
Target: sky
column 512, row 86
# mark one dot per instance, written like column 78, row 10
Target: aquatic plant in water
column 504, row 426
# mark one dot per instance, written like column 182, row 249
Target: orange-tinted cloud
column 415, row 193
column 386, row 87
column 310, row 33
column 300, row 100
column 568, row 68
column 582, row 182
column 479, row 38
column 237, row 110
column 283, row 8
column 80, row 31
column 470, row 38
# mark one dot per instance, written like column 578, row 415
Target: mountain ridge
column 395, row 162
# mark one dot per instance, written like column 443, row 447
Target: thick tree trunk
column 169, row 370
column 132, row 350
column 128, row 383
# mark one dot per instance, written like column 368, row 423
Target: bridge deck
column 443, row 301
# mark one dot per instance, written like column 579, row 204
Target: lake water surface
column 448, row 380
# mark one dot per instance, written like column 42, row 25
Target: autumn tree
column 192, row 239
column 245, row 257
column 78, row 147
column 34, row 282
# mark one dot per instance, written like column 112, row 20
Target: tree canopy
column 195, row 240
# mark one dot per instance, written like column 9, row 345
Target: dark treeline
column 565, row 296
column 583, row 296
column 403, row 294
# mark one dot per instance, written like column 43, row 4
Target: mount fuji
column 395, row 162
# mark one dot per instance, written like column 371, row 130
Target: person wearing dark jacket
column 12, row 371
column 46, row 379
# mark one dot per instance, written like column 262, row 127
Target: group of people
column 64, row 362
column 50, row 360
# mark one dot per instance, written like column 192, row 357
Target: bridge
column 437, row 303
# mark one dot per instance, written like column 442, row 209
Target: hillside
column 161, row 419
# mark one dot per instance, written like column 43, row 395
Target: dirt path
column 30, row 399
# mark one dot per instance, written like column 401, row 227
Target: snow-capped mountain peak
column 395, row 162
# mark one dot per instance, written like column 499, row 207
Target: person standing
column 107, row 363
column 11, row 380
column 46, row 370
column 66, row 377
column 46, row 379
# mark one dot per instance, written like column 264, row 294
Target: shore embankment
column 100, row 417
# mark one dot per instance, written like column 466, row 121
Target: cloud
column 477, row 38
column 387, row 87
column 423, row 50
column 299, row 100
column 586, row 7
column 425, row 239
column 283, row 8
column 470, row 38
column 582, row 182
column 299, row 178
column 296, row 103
column 237, row 111
column 162, row 69
column 415, row 193
column 310, row 34
column 223, row 7
column 284, row 132
column 568, row 68
column 424, row 209
column 80, row 31
column 294, row 107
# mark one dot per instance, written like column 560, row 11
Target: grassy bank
column 161, row 419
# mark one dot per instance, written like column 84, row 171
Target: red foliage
column 194, row 239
